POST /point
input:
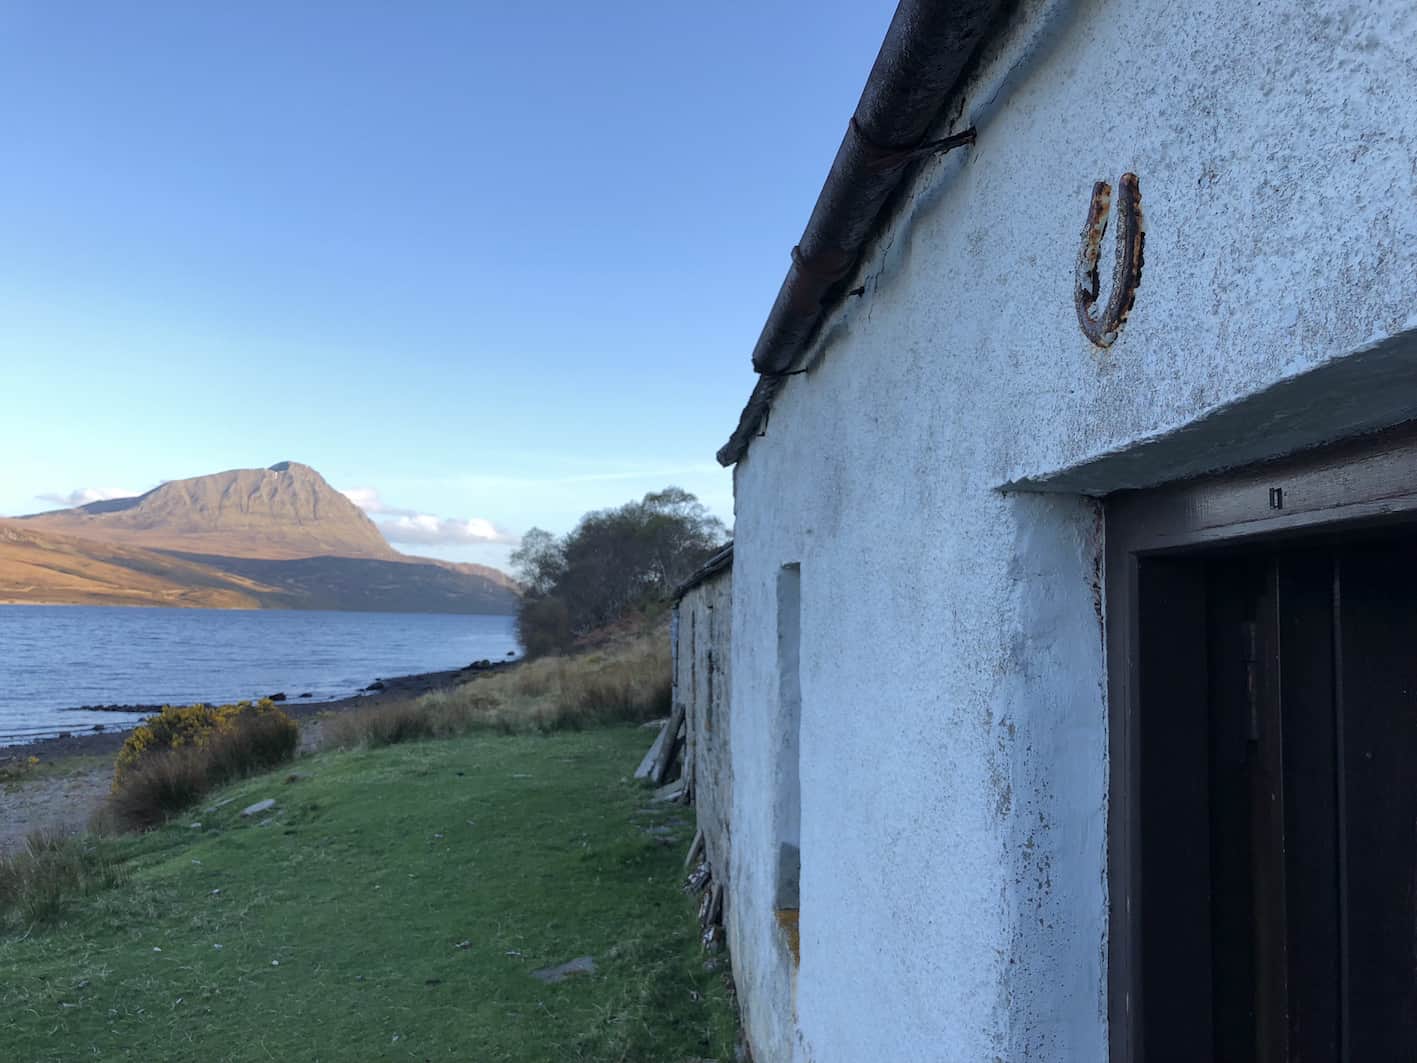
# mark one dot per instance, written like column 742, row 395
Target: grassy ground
column 393, row 906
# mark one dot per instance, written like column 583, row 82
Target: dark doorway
column 1276, row 802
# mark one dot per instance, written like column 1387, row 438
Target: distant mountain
column 277, row 538
column 288, row 510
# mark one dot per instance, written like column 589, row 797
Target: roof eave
column 926, row 50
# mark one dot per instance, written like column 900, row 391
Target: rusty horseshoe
column 1126, row 273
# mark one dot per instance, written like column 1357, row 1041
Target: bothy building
column 1068, row 640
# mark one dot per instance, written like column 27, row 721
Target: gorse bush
column 626, row 683
column 177, row 756
column 189, row 727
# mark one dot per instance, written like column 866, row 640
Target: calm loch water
column 54, row 658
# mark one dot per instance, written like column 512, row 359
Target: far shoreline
column 242, row 608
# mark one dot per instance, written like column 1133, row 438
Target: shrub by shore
column 174, row 759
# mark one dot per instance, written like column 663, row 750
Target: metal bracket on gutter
column 884, row 160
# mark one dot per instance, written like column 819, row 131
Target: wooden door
column 1377, row 717
column 1278, row 804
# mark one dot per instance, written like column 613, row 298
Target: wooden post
column 651, row 758
column 695, row 849
column 670, row 747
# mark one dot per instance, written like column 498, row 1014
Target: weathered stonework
column 703, row 624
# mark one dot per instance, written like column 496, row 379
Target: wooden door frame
column 1371, row 481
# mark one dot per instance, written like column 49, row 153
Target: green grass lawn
column 393, row 906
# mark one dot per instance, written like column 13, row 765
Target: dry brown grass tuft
column 628, row 682
column 38, row 882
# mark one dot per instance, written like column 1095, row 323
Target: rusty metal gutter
column 928, row 46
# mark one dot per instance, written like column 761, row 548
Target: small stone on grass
column 552, row 975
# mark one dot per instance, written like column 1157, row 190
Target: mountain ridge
column 279, row 537
column 285, row 511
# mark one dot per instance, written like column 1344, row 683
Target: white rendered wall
column 953, row 721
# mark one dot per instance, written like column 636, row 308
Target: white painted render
column 953, row 716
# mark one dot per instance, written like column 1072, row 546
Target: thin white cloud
column 82, row 496
column 424, row 529
column 367, row 499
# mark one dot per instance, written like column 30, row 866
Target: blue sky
column 494, row 264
